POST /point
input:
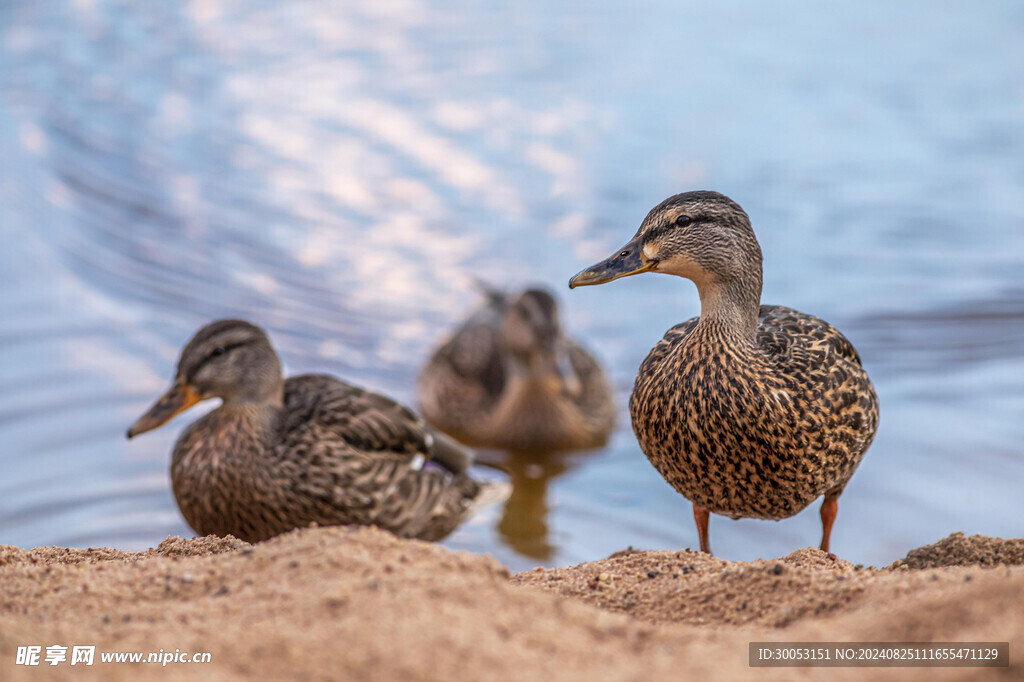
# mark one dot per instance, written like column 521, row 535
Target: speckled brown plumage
column 509, row 378
column 747, row 410
column 756, row 430
column 278, row 455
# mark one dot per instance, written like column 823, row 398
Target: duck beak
column 179, row 398
column 630, row 260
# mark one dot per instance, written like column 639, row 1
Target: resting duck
column 748, row 410
column 281, row 454
column 511, row 379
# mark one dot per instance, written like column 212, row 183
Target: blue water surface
column 340, row 172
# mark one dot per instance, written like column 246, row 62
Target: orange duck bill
column 179, row 398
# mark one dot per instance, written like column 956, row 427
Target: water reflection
column 524, row 524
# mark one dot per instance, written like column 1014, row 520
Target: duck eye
column 683, row 220
column 219, row 350
column 624, row 253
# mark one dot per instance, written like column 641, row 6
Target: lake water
column 339, row 174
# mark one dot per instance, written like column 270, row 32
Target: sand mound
column 170, row 547
column 690, row 587
column 60, row 555
column 340, row 603
column 176, row 547
column 961, row 550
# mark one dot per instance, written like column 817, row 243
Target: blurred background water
column 339, row 173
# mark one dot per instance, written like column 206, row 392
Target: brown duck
column 748, row 410
column 281, row 454
column 510, row 378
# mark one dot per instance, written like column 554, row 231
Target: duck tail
column 493, row 294
column 491, row 492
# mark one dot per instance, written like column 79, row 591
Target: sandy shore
column 340, row 603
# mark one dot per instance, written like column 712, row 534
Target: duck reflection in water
column 524, row 520
column 509, row 379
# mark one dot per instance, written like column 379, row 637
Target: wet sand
column 357, row 603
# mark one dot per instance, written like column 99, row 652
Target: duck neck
column 262, row 413
column 730, row 308
column 262, row 388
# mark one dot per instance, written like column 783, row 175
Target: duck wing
column 474, row 355
column 359, row 457
column 819, row 363
column 463, row 379
column 782, row 330
column 368, row 421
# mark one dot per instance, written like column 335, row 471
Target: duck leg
column 829, row 509
column 701, row 516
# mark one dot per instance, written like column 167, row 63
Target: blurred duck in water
column 279, row 454
column 511, row 379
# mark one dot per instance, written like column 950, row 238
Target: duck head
column 703, row 236
column 533, row 334
column 227, row 359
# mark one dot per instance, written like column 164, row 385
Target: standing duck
column 281, row 454
column 748, row 410
column 511, row 379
